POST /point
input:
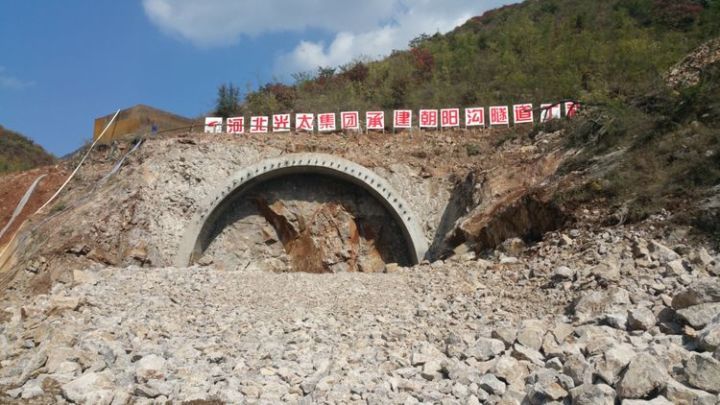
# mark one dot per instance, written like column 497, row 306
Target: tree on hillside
column 228, row 100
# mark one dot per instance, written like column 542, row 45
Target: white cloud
column 223, row 22
column 8, row 81
column 369, row 28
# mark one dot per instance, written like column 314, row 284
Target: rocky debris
column 687, row 72
column 325, row 226
column 518, row 214
column 676, row 393
column 621, row 328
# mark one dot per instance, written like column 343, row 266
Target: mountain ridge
column 18, row 152
column 534, row 51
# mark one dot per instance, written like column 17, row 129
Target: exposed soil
column 12, row 188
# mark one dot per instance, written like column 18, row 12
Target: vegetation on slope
column 662, row 150
column 19, row 153
column 536, row 51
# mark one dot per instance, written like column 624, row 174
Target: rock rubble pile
column 587, row 317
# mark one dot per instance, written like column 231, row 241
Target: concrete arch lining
column 322, row 164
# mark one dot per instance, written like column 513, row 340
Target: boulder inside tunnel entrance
column 306, row 223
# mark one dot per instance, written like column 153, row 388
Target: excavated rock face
column 521, row 214
column 507, row 202
column 308, row 224
column 140, row 215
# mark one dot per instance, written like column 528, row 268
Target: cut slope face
column 140, row 216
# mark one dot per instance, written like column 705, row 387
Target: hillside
column 646, row 145
column 18, row 153
column 657, row 151
column 536, row 51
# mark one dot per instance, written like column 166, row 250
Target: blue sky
column 64, row 63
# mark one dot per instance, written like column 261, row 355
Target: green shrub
column 473, row 149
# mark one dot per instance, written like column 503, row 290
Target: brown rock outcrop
column 328, row 240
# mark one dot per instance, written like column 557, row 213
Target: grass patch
column 472, row 149
column 58, row 208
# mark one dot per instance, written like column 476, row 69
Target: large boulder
column 596, row 303
column 486, row 349
column 681, row 394
column 643, row 376
column 699, row 316
column 593, row 394
column 701, row 292
column 703, row 372
column 609, row 367
column 709, row 337
column 641, row 319
column 150, row 367
column 90, row 388
column 531, row 334
column 511, row 370
column 662, row 253
column 492, row 384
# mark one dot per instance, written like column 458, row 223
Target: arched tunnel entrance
column 304, row 212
